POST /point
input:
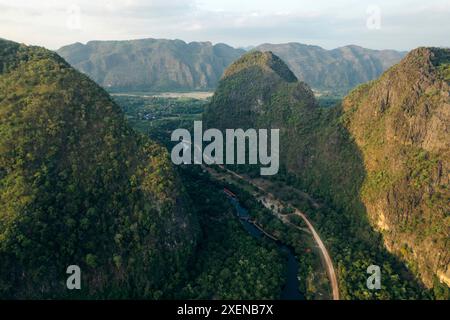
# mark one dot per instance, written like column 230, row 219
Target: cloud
column 404, row 24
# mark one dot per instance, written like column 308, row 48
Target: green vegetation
column 158, row 117
column 156, row 108
column 229, row 263
column 313, row 280
column 350, row 251
column 362, row 161
column 403, row 192
column 444, row 70
column 264, row 102
column 79, row 186
column 354, row 246
column 155, row 116
column 261, row 60
column 327, row 101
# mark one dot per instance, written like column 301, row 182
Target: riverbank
column 316, row 276
column 291, row 287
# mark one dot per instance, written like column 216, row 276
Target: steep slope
column 258, row 90
column 79, row 187
column 151, row 64
column 380, row 160
column 336, row 70
column 401, row 124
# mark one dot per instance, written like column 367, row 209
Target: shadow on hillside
column 321, row 159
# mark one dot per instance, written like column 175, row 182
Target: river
column 290, row 289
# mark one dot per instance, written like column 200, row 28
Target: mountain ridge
column 405, row 114
column 79, row 187
column 151, row 64
column 336, row 70
column 379, row 157
column 132, row 65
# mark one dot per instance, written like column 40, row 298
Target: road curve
column 325, row 255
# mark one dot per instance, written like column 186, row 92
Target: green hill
column 400, row 122
column 381, row 159
column 79, row 187
column 257, row 90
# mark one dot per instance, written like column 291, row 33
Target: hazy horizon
column 402, row 25
column 249, row 47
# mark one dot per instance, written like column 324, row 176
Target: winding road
column 272, row 200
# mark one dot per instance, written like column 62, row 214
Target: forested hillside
column 380, row 159
column 401, row 124
column 79, row 187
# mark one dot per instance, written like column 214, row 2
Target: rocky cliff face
column 79, row 187
column 401, row 124
column 151, row 64
column 382, row 156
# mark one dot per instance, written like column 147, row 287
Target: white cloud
column 404, row 24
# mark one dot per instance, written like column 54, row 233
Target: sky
column 383, row 24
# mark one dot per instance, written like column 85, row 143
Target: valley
column 317, row 285
column 199, row 95
column 319, row 144
column 280, row 210
column 362, row 179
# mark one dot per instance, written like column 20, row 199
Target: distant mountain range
column 174, row 65
column 79, row 186
column 150, row 64
column 337, row 70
